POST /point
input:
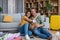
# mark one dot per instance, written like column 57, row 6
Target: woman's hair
column 26, row 12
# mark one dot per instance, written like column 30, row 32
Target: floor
column 53, row 38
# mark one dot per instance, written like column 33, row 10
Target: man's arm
column 41, row 24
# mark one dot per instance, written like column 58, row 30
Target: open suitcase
column 55, row 22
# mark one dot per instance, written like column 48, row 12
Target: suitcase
column 55, row 22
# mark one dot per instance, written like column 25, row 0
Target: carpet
column 54, row 37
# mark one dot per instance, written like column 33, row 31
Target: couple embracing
column 33, row 24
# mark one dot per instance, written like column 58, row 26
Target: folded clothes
column 18, row 38
column 10, row 36
column 13, row 36
column 1, row 34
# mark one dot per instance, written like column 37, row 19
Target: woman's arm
column 27, row 19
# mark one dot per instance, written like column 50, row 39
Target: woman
column 23, row 26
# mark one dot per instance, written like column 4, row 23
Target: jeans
column 42, row 33
column 24, row 30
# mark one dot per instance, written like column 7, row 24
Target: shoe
column 50, row 38
column 27, row 37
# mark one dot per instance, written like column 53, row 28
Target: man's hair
column 34, row 9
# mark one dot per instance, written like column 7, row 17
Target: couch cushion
column 11, row 29
column 46, row 21
column 1, row 18
column 16, row 17
column 7, row 18
column 9, row 25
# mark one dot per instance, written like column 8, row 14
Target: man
column 38, row 29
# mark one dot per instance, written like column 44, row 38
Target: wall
column 4, row 5
column 9, row 6
column 19, row 6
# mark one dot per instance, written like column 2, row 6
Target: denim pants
column 24, row 30
column 42, row 33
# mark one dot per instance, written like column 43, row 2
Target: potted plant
column 48, row 7
column 1, row 9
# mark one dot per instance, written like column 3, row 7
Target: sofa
column 17, row 19
column 11, row 26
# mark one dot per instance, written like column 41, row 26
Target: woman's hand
column 34, row 21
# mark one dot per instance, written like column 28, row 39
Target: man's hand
column 39, row 25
